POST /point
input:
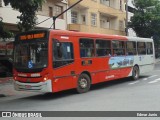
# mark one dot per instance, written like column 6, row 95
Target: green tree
column 4, row 33
column 28, row 9
column 146, row 19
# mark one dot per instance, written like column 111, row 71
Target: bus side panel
column 145, row 63
column 63, row 79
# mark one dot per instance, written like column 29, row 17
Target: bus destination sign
column 32, row 36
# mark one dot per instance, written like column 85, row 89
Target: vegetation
column 3, row 32
column 146, row 19
column 28, row 9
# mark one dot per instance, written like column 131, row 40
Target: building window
column 83, row 19
column 94, row 19
column 121, row 25
column 105, row 22
column 74, row 17
column 50, row 12
column 58, row 10
column 105, row 2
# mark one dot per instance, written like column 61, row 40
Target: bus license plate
column 27, row 86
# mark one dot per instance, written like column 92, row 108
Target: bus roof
column 90, row 35
column 139, row 39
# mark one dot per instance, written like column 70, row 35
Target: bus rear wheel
column 84, row 83
column 135, row 73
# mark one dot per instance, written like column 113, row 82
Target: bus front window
column 31, row 55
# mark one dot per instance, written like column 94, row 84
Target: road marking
column 150, row 77
column 154, row 81
column 134, row 82
column 153, row 76
column 145, row 79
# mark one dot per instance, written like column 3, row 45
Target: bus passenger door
column 63, row 68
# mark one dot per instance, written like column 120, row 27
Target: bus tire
column 84, row 83
column 135, row 73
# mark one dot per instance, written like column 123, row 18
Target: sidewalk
column 6, row 80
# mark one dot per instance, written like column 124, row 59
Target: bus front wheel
column 84, row 83
column 135, row 73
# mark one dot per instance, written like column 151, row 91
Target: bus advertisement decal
column 121, row 62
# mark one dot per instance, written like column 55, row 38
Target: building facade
column 130, row 13
column 98, row 16
column 49, row 8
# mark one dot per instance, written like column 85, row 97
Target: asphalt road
column 118, row 95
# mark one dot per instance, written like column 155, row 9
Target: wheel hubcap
column 83, row 83
column 135, row 73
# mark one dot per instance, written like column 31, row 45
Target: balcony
column 78, row 27
column 91, row 29
column 82, row 5
column 111, row 11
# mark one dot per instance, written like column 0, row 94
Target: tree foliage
column 146, row 19
column 4, row 33
column 28, row 9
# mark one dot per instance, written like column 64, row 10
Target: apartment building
column 49, row 8
column 98, row 16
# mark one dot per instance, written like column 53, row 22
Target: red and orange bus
column 56, row 60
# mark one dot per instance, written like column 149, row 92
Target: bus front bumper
column 34, row 87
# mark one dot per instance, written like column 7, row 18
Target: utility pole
column 55, row 17
column 126, row 17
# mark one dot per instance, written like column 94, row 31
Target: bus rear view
column 31, row 61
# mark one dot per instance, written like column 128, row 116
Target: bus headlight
column 45, row 77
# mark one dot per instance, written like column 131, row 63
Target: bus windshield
column 31, row 55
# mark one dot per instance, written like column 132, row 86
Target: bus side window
column 131, row 48
column 86, row 47
column 141, row 46
column 118, row 48
column 149, row 46
column 103, row 48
